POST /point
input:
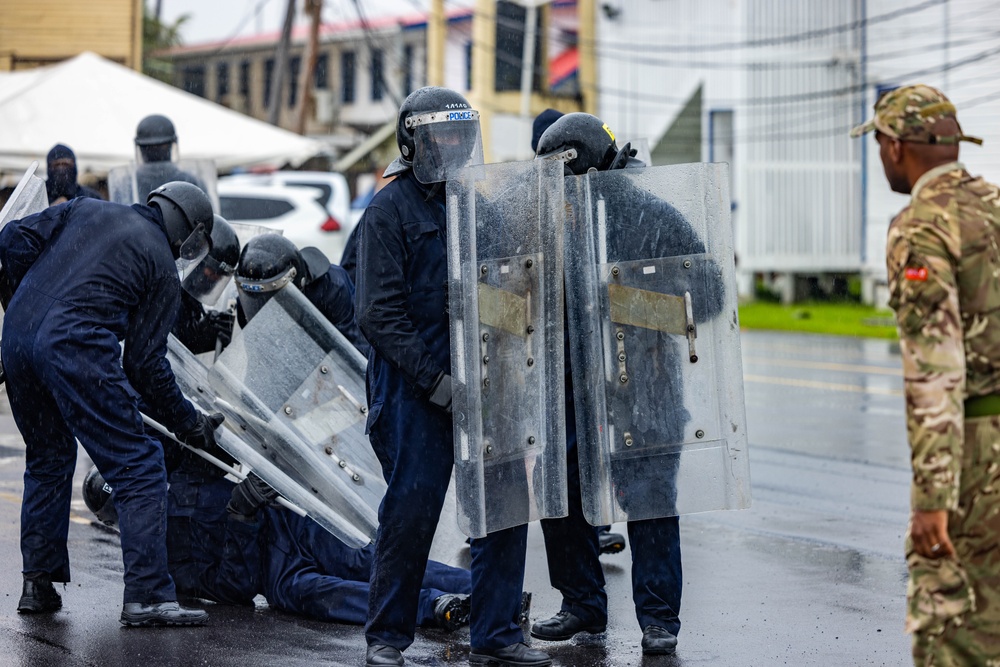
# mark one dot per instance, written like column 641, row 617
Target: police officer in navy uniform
column 402, row 310
column 571, row 544
column 85, row 276
column 268, row 262
column 61, row 175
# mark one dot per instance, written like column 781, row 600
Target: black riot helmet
column 583, row 142
column 437, row 132
column 208, row 280
column 187, row 218
column 267, row 264
column 97, row 496
column 155, row 139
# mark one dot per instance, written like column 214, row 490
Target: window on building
column 378, row 85
column 268, row 78
column 221, row 81
column 321, row 76
column 511, row 22
column 407, row 69
column 245, row 78
column 347, row 65
column 294, row 66
column 193, row 77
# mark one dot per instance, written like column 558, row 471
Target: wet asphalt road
column 813, row 574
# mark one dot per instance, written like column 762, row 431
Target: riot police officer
column 270, row 261
column 156, row 145
column 402, row 311
column 203, row 330
column 86, row 275
column 584, row 142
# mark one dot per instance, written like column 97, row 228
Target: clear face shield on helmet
column 445, row 142
column 208, row 280
column 194, row 249
column 255, row 293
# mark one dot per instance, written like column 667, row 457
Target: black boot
column 515, row 655
column 563, row 626
column 380, row 655
column 451, row 611
column 139, row 615
column 611, row 543
column 658, row 641
column 38, row 597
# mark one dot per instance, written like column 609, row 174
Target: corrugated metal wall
column 799, row 181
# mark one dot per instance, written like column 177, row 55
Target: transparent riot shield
column 131, row 184
column 251, row 449
column 28, row 198
column 654, row 343
column 506, row 304
column 298, row 387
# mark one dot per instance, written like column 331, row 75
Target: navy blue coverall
column 402, row 304
column 151, row 175
column 297, row 565
column 88, row 274
column 639, row 226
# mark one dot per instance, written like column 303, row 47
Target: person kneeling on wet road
column 84, row 276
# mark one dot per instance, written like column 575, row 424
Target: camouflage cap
column 912, row 113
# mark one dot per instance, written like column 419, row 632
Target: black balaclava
column 61, row 180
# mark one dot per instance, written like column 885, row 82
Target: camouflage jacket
column 943, row 257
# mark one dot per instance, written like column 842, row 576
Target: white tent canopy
column 93, row 106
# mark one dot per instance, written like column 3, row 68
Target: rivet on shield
column 356, row 477
column 342, row 464
column 531, row 329
column 531, row 362
column 486, row 336
column 699, row 434
column 288, row 409
column 486, row 382
column 621, row 356
column 329, row 452
column 528, row 263
column 364, row 410
column 623, row 378
column 687, row 263
column 486, row 358
column 324, row 370
column 628, row 439
column 483, row 269
column 489, row 449
column 615, row 271
column 620, row 336
column 531, row 439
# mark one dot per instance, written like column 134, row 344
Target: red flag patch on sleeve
column 916, row 273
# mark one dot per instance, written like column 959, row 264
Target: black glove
column 249, row 496
column 202, row 436
column 221, row 324
column 440, row 396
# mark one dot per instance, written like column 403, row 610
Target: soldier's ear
column 896, row 150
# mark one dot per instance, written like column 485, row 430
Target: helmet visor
column 193, row 250
column 445, row 142
column 255, row 293
column 208, row 280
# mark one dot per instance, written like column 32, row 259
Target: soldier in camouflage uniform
column 943, row 257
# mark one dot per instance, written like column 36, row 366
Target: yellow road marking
column 827, row 366
column 816, row 384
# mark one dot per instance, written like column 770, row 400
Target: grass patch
column 841, row 319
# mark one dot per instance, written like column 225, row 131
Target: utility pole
column 436, row 34
column 314, row 9
column 280, row 65
column 159, row 7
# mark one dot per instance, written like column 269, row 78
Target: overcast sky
column 212, row 20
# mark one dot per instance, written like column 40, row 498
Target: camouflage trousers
column 953, row 604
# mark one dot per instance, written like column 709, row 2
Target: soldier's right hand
column 929, row 533
column 202, row 436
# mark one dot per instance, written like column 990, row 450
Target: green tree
column 158, row 36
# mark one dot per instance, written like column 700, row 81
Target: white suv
column 293, row 211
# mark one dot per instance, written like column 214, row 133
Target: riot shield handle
column 692, row 330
